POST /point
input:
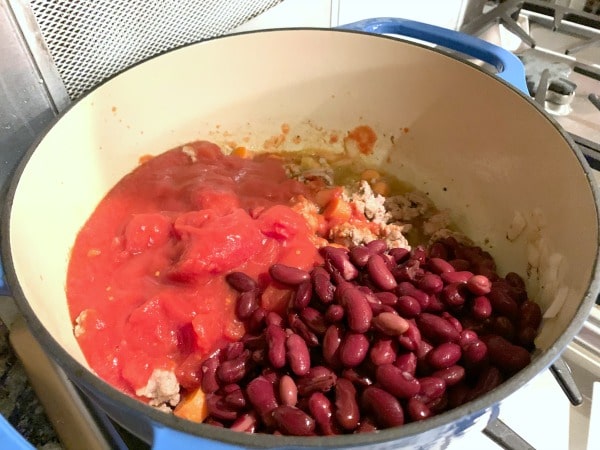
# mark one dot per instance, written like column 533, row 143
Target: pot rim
column 469, row 411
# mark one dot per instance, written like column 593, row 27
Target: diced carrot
column 338, row 210
column 324, row 196
column 381, row 188
column 193, row 407
column 242, row 152
column 370, row 175
column 275, row 299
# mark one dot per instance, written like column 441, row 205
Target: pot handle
column 509, row 66
column 11, row 438
column 168, row 439
column 4, row 290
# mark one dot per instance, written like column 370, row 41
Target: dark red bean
column 408, row 271
column 430, row 283
column 272, row 318
column 334, row 313
column 233, row 370
column 293, row 421
column 507, row 357
column 320, row 408
column 387, row 298
column 479, row 285
column 288, row 391
column 444, row 355
column 314, row 320
column 475, row 352
column 453, row 295
column 377, row 246
column 301, row 329
column 390, row 324
column 360, row 255
column 432, row 387
column 481, row 308
column 256, row 321
column 408, row 306
column 353, row 349
column 322, row 285
column 411, row 339
column 438, row 250
column 503, row 326
column 399, row 254
column 318, row 379
column 235, row 399
column 331, row 345
column 453, row 321
column 347, row 413
column 407, row 288
column 439, row 266
column 515, row 280
column 276, row 338
column 435, row 305
column 302, row 295
column 383, row 352
column 526, row 337
column 417, row 410
column 530, row 315
column 407, row 362
column 241, row 282
column 489, row 378
column 419, row 254
column 460, row 264
column 261, row 394
column 297, row 354
column 421, row 352
column 358, row 311
column 358, row 379
column 340, row 261
column 380, row 273
column 209, row 381
column 386, row 409
column 292, row 276
column 246, row 423
column 467, row 337
column 503, row 304
column 218, row 409
column 456, row 277
column 247, row 303
column 437, row 329
column 398, row 383
column 451, row 375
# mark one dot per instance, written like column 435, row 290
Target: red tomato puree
column 146, row 280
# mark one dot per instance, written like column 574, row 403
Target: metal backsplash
column 90, row 40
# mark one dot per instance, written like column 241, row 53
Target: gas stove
column 559, row 45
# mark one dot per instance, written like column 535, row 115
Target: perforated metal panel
column 90, row 40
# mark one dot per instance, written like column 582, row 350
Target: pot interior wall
column 474, row 145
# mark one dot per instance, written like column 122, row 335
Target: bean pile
column 373, row 338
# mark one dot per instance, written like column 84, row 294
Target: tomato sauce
column 146, row 279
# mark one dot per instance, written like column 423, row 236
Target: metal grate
column 90, row 40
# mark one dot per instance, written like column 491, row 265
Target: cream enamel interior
column 474, row 145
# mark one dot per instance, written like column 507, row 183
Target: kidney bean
column 217, row 408
column 380, row 273
column 399, row 254
column 457, row 394
column 353, row 349
column 408, row 271
column 358, row 311
column 331, row 345
column 301, row 329
column 235, row 399
column 291, row 276
column 288, row 391
column 475, row 352
column 460, row 264
column 340, row 261
column 526, row 337
column 430, row 283
column 302, row 295
column 233, row 370
column 437, row 329
column 214, row 422
column 261, row 394
column 515, row 280
column 503, row 304
column 318, row 379
column 383, row 351
column 408, row 306
column 439, row 266
column 451, row 375
column 247, row 423
column 444, row 355
column 407, row 288
column 398, row 383
column 390, row 323
column 530, row 315
column 347, row 413
column 507, row 357
column 360, row 255
column 209, row 381
column 233, row 350
column 293, row 421
column 322, row 285
column 438, row 405
column 481, row 307
column 503, row 326
column 366, row 426
column 247, row 303
column 320, row 408
column 334, row 313
column 466, row 337
column 432, row 387
column 489, row 378
column 387, row 298
column 460, row 277
column 417, row 410
column 314, row 320
column 421, row 353
column 411, row 338
column 386, row 409
column 241, row 282
column 276, row 338
column 256, row 321
column 479, row 285
column 438, row 250
column 298, row 356
column 453, row 295
column 273, row 318
column 406, row 362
